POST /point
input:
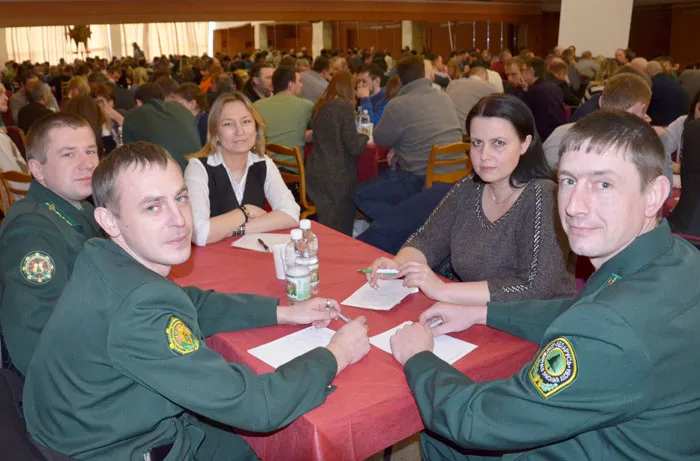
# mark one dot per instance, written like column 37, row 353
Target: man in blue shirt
column 370, row 92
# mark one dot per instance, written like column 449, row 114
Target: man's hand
column 362, row 92
column 350, row 343
column 381, row 263
column 422, row 277
column 454, row 317
column 312, row 311
column 410, row 340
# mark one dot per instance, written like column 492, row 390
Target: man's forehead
column 585, row 161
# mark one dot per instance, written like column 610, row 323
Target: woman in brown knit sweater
column 331, row 174
column 499, row 228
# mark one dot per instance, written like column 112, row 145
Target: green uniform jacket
column 122, row 365
column 616, row 377
column 39, row 241
column 166, row 124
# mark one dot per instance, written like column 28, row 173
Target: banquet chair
column 4, row 199
column 8, row 177
column 454, row 176
column 18, row 137
column 295, row 162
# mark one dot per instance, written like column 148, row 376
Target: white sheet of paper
column 389, row 294
column 281, row 351
column 250, row 241
column 446, row 347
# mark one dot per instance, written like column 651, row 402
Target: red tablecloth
column 372, row 407
column 367, row 163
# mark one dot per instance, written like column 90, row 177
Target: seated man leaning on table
column 617, row 371
column 122, row 370
column 231, row 178
column 499, row 227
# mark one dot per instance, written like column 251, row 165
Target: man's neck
column 287, row 92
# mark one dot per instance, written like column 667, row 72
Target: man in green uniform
column 44, row 232
column 616, row 375
column 122, row 370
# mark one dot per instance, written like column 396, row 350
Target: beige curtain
column 156, row 39
column 50, row 44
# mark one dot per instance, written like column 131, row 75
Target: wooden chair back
column 454, row 176
column 4, row 198
column 292, row 160
column 9, row 177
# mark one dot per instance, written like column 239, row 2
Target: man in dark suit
column 543, row 97
column 36, row 108
column 668, row 98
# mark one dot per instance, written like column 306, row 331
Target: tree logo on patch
column 555, row 368
column 180, row 338
column 37, row 267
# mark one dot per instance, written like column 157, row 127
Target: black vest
column 222, row 199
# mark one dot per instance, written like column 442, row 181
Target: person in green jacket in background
column 164, row 123
column 44, row 232
column 122, row 370
column 616, row 375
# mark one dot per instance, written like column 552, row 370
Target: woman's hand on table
column 421, row 276
column 411, row 340
column 454, row 317
column 381, row 263
column 350, row 343
column 314, row 311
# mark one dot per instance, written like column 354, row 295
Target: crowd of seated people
column 203, row 124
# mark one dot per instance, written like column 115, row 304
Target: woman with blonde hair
column 139, row 77
column 78, row 86
column 331, row 174
column 230, row 179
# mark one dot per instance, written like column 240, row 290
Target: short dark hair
column 538, row 65
column 104, row 179
column 320, row 64
column 258, row 66
column 532, row 164
column 623, row 91
column 149, row 91
column 373, row 70
column 103, row 91
column 167, row 84
column 34, row 91
column 410, row 68
column 97, row 78
column 608, row 129
column 282, row 77
column 192, row 92
column 38, row 138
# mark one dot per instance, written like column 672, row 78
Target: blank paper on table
column 281, row 351
column 389, row 294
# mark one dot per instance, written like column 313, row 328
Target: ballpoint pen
column 435, row 323
column 342, row 317
column 380, row 271
column 267, row 248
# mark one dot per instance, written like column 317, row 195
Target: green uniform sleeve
column 526, row 319
column 144, row 345
column 606, row 382
column 218, row 312
column 33, row 272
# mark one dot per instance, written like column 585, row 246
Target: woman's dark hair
column 693, row 103
column 532, row 164
column 192, row 92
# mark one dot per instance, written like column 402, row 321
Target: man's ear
column 657, row 193
column 107, row 221
column 36, row 169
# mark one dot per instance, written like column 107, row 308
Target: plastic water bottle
column 358, row 120
column 298, row 274
column 309, row 256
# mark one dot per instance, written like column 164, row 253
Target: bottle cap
column 296, row 234
column 305, row 224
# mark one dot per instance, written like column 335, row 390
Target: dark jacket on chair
column 685, row 218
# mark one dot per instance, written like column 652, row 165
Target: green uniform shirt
column 122, row 366
column 287, row 118
column 616, row 377
column 39, row 241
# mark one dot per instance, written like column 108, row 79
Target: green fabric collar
column 68, row 213
column 643, row 250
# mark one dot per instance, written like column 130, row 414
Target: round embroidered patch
column 555, row 367
column 37, row 267
column 180, row 338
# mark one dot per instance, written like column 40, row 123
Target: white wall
column 601, row 26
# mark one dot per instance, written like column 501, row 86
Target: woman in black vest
column 230, row 179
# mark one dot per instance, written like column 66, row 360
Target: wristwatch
column 240, row 230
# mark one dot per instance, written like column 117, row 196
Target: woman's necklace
column 492, row 196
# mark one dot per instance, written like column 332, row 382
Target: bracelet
column 246, row 214
column 240, row 230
